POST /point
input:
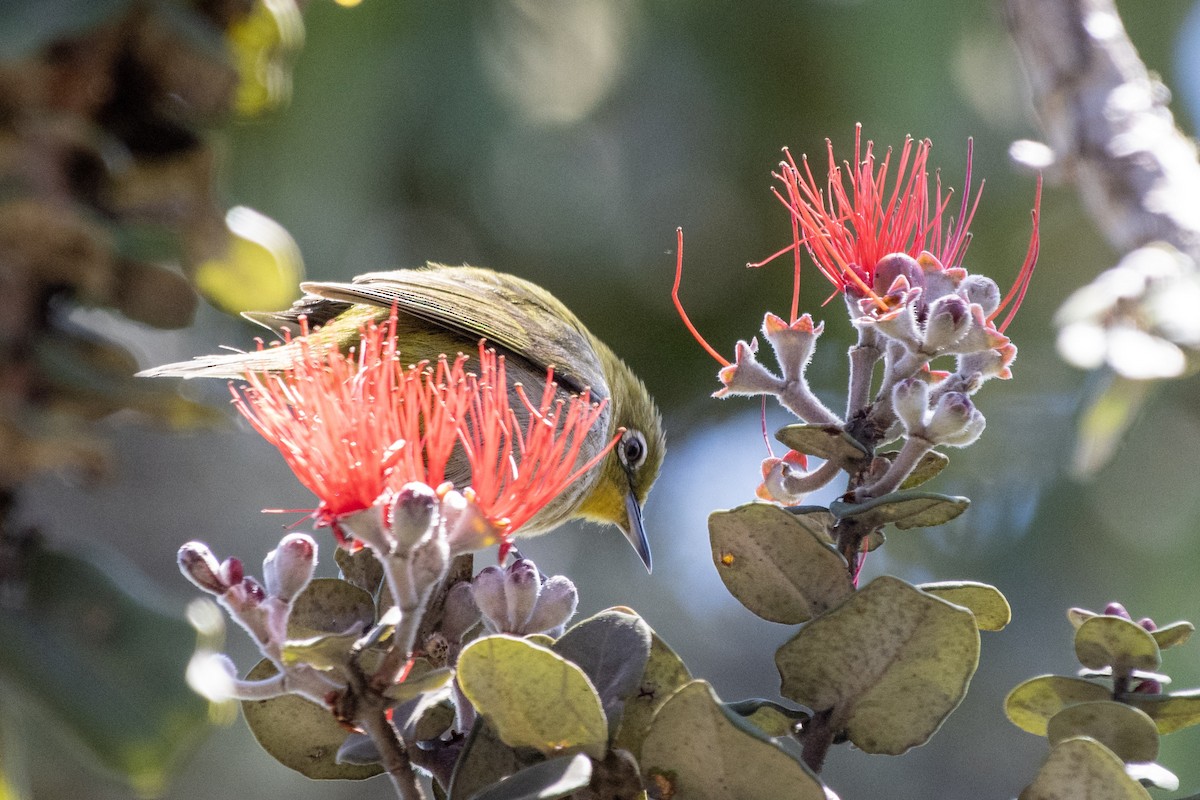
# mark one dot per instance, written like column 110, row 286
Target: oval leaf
column 989, row 606
column 485, row 761
column 612, row 649
column 532, row 696
column 1107, row 641
column 1173, row 634
column 774, row 563
column 1031, row 704
column 1128, row 732
column 892, row 662
column 299, row 734
column 928, row 467
column 1083, row 768
column 829, row 442
column 697, row 750
column 665, row 672
column 330, row 606
column 771, row 718
column 906, row 509
column 548, row 780
column 1170, row 712
column 1078, row 616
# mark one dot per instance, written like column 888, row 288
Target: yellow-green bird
column 447, row 310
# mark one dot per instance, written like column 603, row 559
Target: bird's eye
column 632, row 449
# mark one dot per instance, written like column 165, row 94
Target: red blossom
column 355, row 427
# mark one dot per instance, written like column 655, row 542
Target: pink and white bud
column 289, row 567
column 910, row 401
column 949, row 320
column 746, row 376
column 892, row 266
column 793, row 343
column 981, row 290
column 955, row 421
column 414, row 513
column 231, row 572
column 556, row 605
column 489, row 594
column 522, row 586
column 199, row 565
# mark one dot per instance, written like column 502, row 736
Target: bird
column 448, row 309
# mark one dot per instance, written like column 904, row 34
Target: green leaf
column 330, row 606
column 665, row 672
column 320, row 652
column 989, row 606
column 300, row 734
column 1031, row 704
column 360, row 568
column 415, row 685
column 549, row 780
column 90, row 645
column 1107, row 641
column 612, row 649
column 1085, row 769
column 829, row 442
column 891, row 662
column 1170, row 712
column 777, row 564
column 1174, row 634
column 532, row 696
column 486, row 761
column 771, row 718
column 904, row 509
column 1078, row 616
column 1128, row 732
column 698, row 750
column 927, row 468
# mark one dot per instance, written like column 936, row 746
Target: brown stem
column 366, row 708
column 816, row 739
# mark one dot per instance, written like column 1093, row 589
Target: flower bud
column 252, row 590
column 949, row 318
column 231, row 571
column 289, row 567
column 983, row 291
column 892, row 266
column 556, row 605
column 1117, row 610
column 413, row 513
column 488, row 591
column 1148, row 624
column 459, row 611
column 793, row 344
column 910, row 400
column 1148, row 686
column 521, row 588
column 199, row 565
column 746, row 376
column 955, row 421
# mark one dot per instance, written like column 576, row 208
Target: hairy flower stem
column 910, row 454
column 366, row 709
column 863, row 357
column 796, row 397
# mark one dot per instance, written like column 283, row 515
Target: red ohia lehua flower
column 863, row 235
column 356, row 427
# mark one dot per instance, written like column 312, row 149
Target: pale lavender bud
column 1148, row 624
column 489, row 594
column 949, row 319
column 521, row 588
column 981, row 290
column 199, row 565
column 955, row 421
column 413, row 513
column 555, row 606
column 910, row 400
column 289, row 567
column 1148, row 686
column 460, row 611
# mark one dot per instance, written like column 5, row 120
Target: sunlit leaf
column 1031, row 704
column 1110, row 641
column 776, row 563
column 698, row 750
column 532, row 696
column 665, row 672
column 1170, row 712
column 1083, row 769
column 612, row 649
column 989, row 606
column 891, row 663
column 1123, row 729
column 260, row 268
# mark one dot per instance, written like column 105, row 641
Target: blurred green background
column 564, row 142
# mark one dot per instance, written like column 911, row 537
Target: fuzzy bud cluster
column 521, row 601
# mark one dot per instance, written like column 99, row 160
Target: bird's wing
column 510, row 313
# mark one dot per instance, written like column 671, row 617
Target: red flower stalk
column 356, row 427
